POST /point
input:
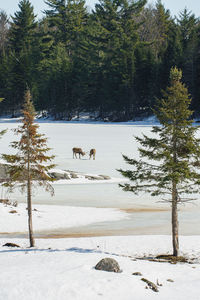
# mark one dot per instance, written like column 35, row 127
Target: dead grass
column 172, row 258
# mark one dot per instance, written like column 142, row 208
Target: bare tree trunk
column 30, row 225
column 175, row 241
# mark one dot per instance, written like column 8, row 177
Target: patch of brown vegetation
column 138, row 210
column 5, row 201
column 167, row 258
column 13, row 211
column 172, row 259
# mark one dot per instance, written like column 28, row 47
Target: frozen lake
column 147, row 216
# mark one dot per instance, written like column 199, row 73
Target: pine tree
column 69, row 20
column 188, row 24
column 22, row 27
column 176, row 149
column 3, row 32
column 117, row 41
column 21, row 41
column 29, row 167
column 171, row 55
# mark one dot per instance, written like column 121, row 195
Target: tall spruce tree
column 117, row 42
column 4, row 27
column 21, row 40
column 69, row 20
column 176, row 149
column 189, row 41
column 22, row 27
column 30, row 165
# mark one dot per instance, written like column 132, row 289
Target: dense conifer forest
column 112, row 61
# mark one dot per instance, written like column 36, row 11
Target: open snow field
column 60, row 269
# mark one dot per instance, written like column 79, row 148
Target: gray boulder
column 73, row 175
column 58, row 176
column 105, row 177
column 92, row 177
column 109, row 265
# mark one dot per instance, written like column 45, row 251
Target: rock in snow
column 56, row 174
column 109, row 265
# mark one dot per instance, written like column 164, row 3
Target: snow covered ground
column 64, row 269
column 60, row 269
column 48, row 217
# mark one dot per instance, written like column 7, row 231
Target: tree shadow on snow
column 49, row 250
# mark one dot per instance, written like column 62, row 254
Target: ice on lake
column 147, row 216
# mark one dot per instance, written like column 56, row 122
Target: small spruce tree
column 177, row 150
column 29, row 166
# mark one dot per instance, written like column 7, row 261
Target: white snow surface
column 47, row 217
column 111, row 140
column 64, row 269
column 82, row 179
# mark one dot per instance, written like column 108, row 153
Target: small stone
column 109, row 265
column 58, row 176
column 137, row 274
column 170, row 280
column 105, row 177
column 66, row 176
column 91, row 177
column 73, row 175
column 13, row 211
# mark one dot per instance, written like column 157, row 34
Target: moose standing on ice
column 78, row 151
column 92, row 153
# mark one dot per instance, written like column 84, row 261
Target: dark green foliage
column 3, row 32
column 112, row 61
column 22, row 27
column 174, row 115
column 20, row 64
column 188, row 25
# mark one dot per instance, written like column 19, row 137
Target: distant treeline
column 113, row 60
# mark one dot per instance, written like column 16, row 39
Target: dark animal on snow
column 92, row 153
column 78, row 151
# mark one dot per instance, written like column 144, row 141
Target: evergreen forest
column 112, row 62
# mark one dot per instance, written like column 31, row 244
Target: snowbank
column 64, row 269
column 14, row 219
